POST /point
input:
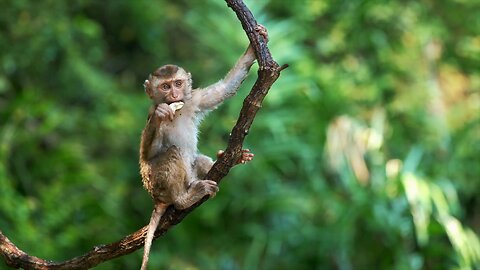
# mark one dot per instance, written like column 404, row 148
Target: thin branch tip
column 284, row 66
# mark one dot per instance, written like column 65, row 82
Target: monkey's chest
column 182, row 132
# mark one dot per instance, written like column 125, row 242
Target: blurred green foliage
column 367, row 147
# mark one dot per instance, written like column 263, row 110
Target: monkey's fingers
column 170, row 112
column 161, row 112
column 262, row 30
column 164, row 111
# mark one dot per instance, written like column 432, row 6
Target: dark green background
column 367, row 147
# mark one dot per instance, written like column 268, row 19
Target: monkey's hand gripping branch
column 268, row 73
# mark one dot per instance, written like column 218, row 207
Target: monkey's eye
column 165, row 86
column 178, row 83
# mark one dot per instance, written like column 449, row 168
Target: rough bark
column 268, row 73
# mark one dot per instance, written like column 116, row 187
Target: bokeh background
column 367, row 147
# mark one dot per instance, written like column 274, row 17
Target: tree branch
column 268, row 73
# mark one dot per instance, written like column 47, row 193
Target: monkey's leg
column 197, row 190
column 152, row 226
column 202, row 165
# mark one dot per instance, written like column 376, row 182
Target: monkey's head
column 169, row 84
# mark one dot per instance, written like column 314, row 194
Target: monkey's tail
column 152, row 227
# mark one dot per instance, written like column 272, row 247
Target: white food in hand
column 175, row 106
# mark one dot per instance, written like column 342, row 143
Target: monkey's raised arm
column 213, row 95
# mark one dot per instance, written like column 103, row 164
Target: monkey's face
column 171, row 90
column 169, row 84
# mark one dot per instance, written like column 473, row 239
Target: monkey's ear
column 146, row 84
column 148, row 88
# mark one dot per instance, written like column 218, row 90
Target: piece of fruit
column 175, row 106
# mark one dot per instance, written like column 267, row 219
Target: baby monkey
column 171, row 167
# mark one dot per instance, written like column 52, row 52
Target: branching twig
column 268, row 73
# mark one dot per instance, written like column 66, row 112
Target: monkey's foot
column 205, row 187
column 244, row 158
column 196, row 191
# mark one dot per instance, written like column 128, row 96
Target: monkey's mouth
column 174, row 101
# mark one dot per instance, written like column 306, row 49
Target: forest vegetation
column 367, row 147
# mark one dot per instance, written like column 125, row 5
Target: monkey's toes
column 211, row 187
column 210, row 182
column 246, row 156
column 206, row 187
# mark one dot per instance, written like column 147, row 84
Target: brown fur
column 166, row 71
column 164, row 177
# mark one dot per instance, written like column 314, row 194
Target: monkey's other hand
column 205, row 187
column 262, row 30
column 244, row 158
column 163, row 111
